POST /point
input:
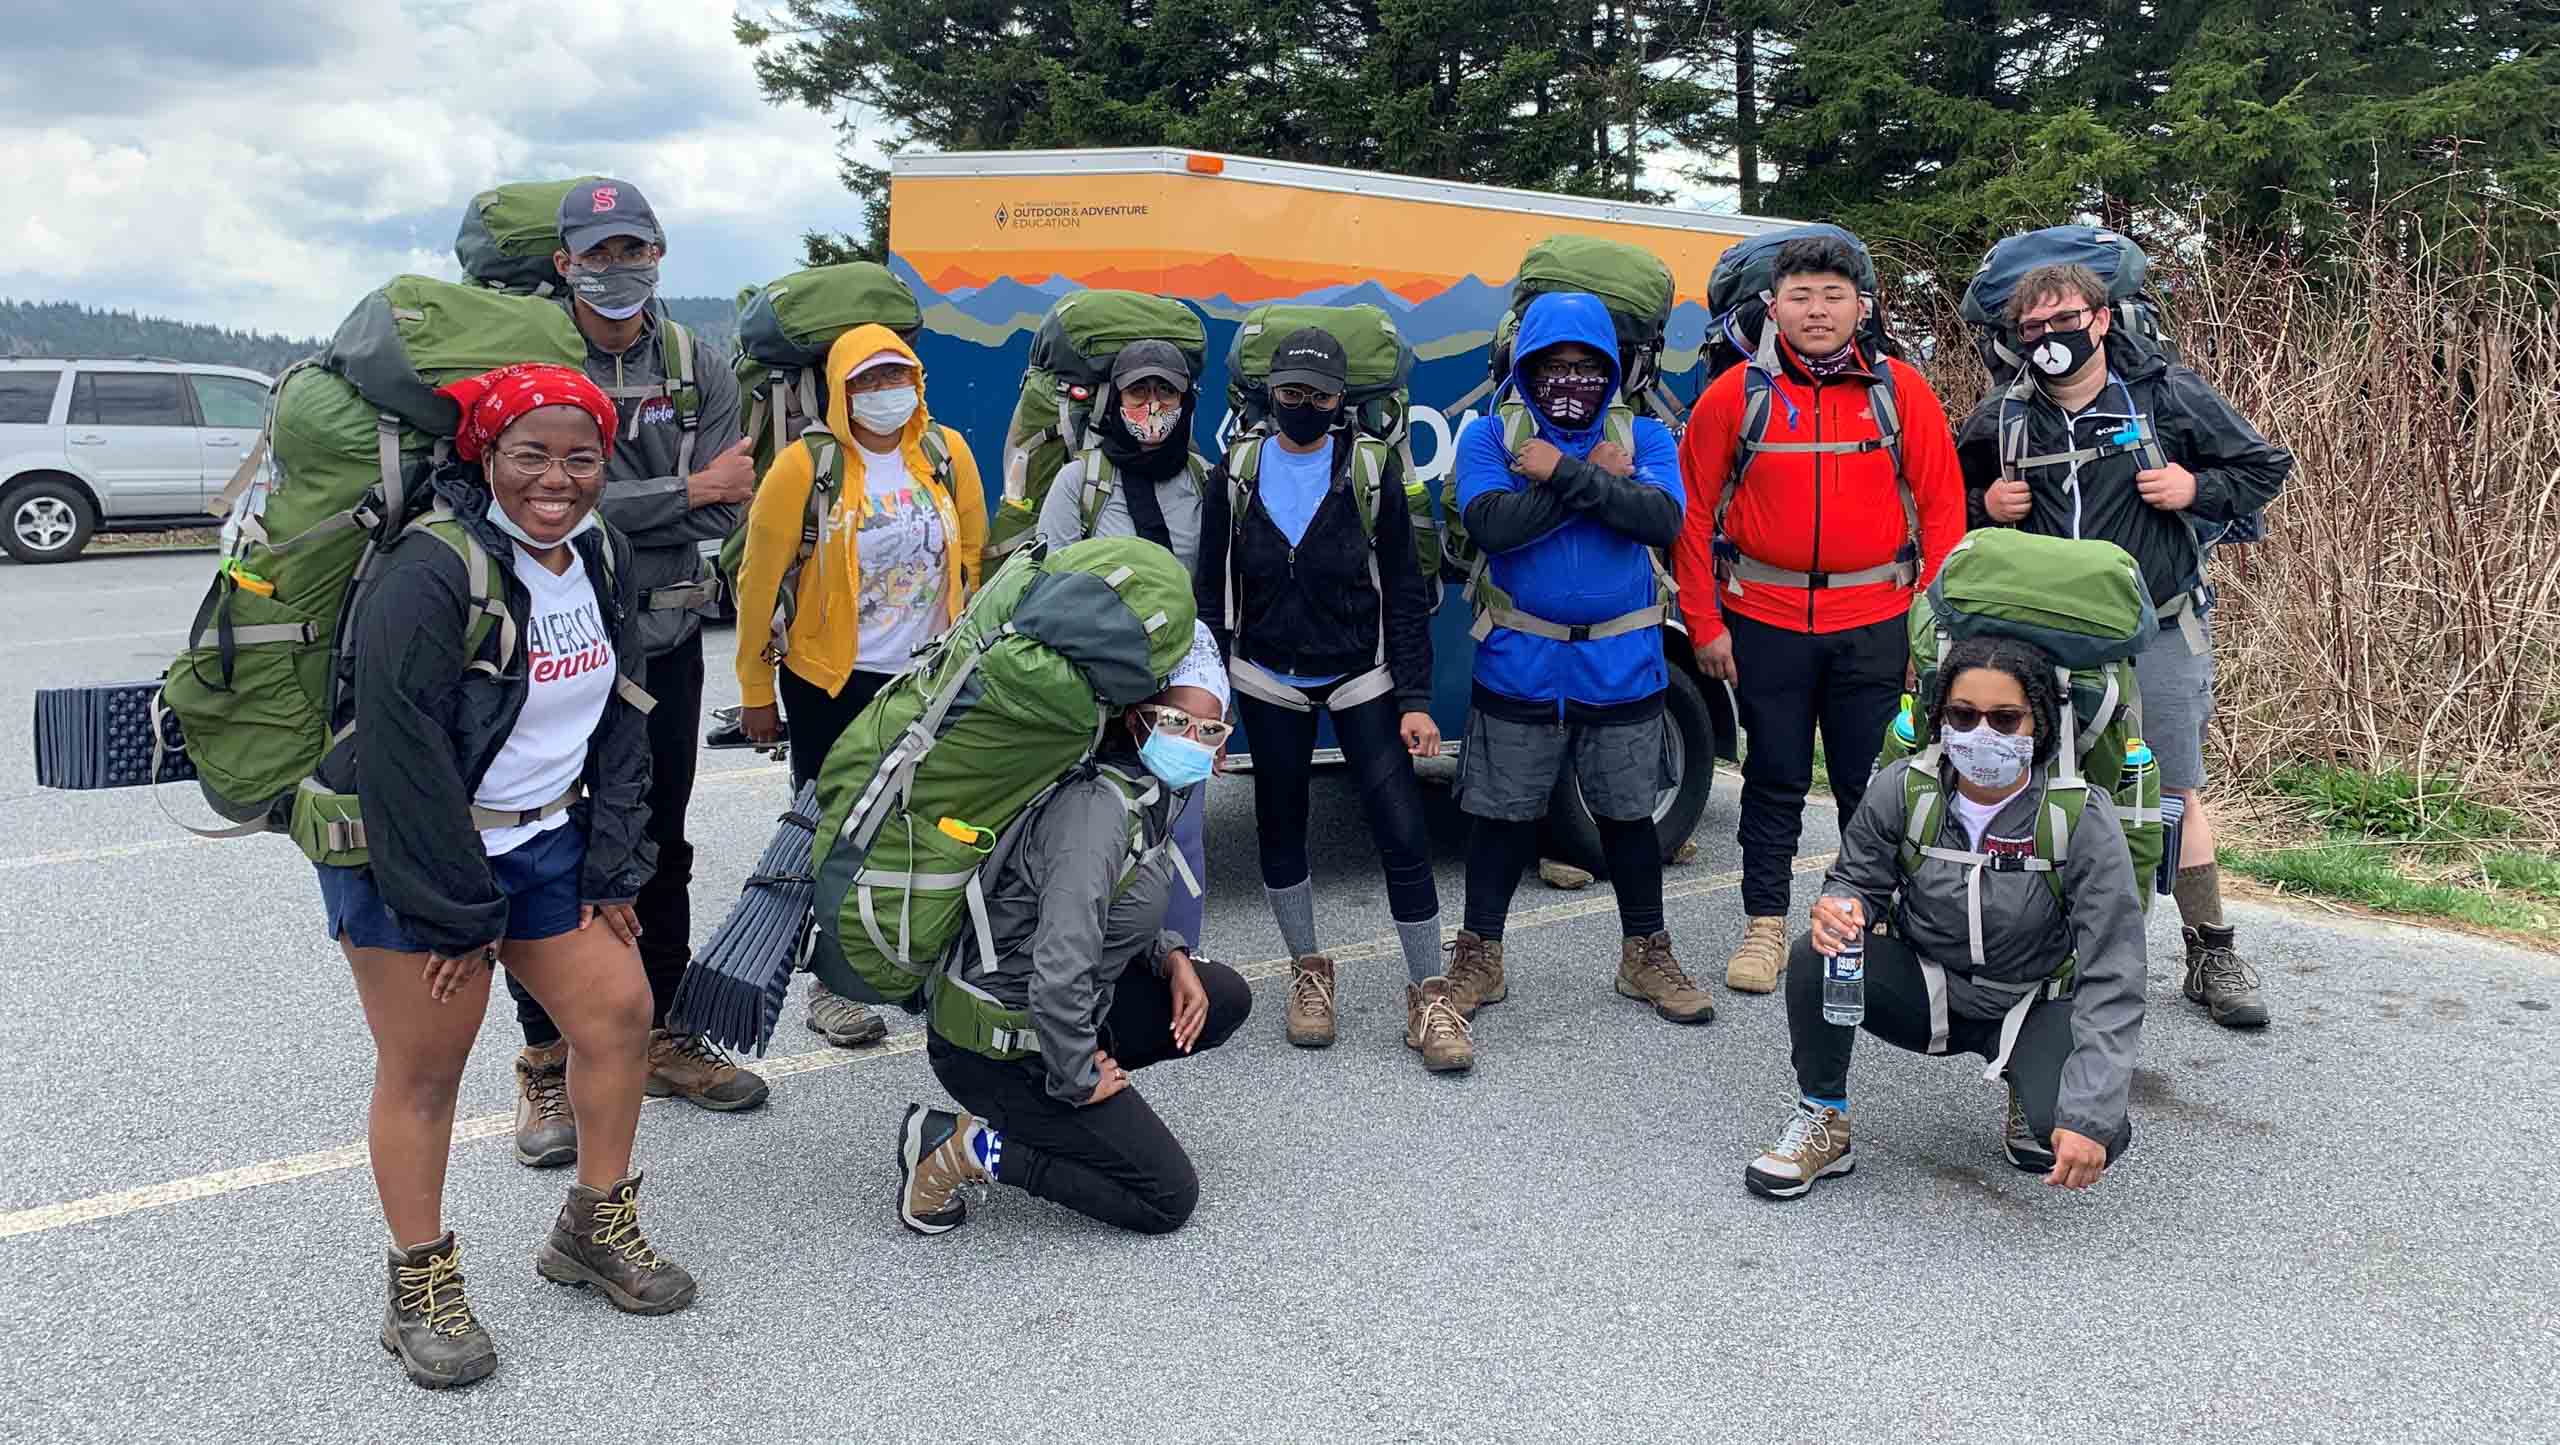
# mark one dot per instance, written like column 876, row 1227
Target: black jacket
column 1311, row 609
column 428, row 729
column 2237, row 469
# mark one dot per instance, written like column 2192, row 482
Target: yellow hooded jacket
column 826, row 630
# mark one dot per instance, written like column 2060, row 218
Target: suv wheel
column 45, row 520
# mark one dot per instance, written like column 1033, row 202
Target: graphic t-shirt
column 569, row 672
column 903, row 583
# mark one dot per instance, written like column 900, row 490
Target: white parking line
column 116, row 1204
column 171, row 635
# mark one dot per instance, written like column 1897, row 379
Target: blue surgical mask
column 1179, row 761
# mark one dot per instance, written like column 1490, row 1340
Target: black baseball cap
column 596, row 211
column 1310, row 357
column 1140, row 360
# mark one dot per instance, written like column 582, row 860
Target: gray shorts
column 2177, row 702
column 1508, row 770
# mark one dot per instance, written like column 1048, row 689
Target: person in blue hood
column 1568, row 494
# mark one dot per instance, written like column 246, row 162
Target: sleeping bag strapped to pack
column 1380, row 371
column 1069, row 376
column 2084, row 603
column 2116, row 260
column 350, row 434
column 933, row 774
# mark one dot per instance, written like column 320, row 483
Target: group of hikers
column 530, row 728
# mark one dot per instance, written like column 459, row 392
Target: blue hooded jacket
column 1580, row 568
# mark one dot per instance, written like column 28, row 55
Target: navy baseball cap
column 598, row 210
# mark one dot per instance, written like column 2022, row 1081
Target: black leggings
column 1284, row 743
column 1114, row 1161
column 817, row 720
column 1499, row 851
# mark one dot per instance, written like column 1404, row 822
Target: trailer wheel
column 1689, row 772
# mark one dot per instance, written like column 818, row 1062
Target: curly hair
column 2031, row 665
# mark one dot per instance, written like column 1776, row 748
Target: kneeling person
column 2052, row 994
column 1107, row 990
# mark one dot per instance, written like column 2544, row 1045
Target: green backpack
column 2084, row 602
column 930, row 777
column 1631, row 281
column 1495, row 607
column 1068, row 381
column 785, row 329
column 829, row 464
column 349, row 434
column 1378, row 395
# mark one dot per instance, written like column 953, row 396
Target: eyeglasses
column 534, row 462
column 1167, row 718
column 882, row 378
column 1306, row 396
column 2059, row 321
column 1965, row 719
column 1573, row 371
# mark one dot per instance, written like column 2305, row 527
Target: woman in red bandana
column 500, row 756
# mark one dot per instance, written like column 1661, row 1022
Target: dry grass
column 2404, row 612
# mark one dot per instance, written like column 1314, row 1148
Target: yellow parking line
column 116, row 1204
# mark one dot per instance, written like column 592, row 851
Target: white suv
column 124, row 445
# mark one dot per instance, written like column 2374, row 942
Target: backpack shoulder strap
column 1100, row 480
column 937, row 453
column 485, row 608
column 1884, row 400
column 1924, row 806
column 2056, row 821
column 1618, row 426
column 1368, row 481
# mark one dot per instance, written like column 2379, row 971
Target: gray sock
column 1421, row 948
column 1294, row 909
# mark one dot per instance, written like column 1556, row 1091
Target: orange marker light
column 1205, row 165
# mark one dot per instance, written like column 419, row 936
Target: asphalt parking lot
column 2340, row 1229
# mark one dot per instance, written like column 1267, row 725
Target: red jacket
column 1814, row 511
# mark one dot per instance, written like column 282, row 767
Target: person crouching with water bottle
column 503, row 770
column 1993, row 941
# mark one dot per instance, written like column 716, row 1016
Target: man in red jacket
column 1823, row 491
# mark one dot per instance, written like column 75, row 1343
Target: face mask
column 498, row 518
column 1569, row 401
column 1178, row 760
column 886, row 410
column 1988, row 758
column 1150, row 421
column 616, row 293
column 2063, row 353
column 1304, row 424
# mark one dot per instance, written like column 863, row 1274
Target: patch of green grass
column 2366, row 875
column 2533, row 873
column 2391, row 804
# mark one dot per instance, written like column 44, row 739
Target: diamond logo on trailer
column 999, row 218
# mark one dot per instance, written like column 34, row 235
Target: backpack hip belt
column 344, row 832
column 1367, row 490
column 1735, row 567
column 1256, row 681
column 681, row 596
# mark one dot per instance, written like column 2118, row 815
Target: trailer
column 990, row 240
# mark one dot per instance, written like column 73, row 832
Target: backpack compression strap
column 1759, row 393
column 1366, row 477
column 1495, row 607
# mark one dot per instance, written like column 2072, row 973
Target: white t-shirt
column 1976, row 817
column 569, row 672
column 901, row 554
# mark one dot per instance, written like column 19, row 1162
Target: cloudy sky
column 265, row 163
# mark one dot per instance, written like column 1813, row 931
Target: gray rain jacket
column 2025, row 934
column 1064, row 928
column 644, row 491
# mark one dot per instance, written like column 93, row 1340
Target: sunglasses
column 1965, row 719
column 1167, row 718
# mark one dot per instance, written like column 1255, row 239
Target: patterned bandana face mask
column 1569, row 401
column 1151, row 420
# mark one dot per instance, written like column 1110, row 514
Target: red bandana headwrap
column 493, row 400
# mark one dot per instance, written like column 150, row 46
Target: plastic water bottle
column 1844, row 980
column 1905, row 731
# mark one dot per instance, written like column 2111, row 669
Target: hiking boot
column 428, row 1323
column 841, row 1021
column 546, row 1132
column 1310, row 1012
column 1646, row 970
column 1814, row 1146
column 692, row 1067
column 1433, row 1025
column 596, row 1244
column 2018, row 1140
column 1761, row 957
column 2219, row 979
column 1475, row 973
column 935, row 1162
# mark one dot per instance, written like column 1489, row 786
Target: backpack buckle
column 2005, row 863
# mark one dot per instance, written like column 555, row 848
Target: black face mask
column 1305, row 424
column 2060, row 354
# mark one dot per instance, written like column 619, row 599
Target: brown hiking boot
column 596, row 1244
column 1310, row 1012
column 1762, row 956
column 1647, row 971
column 2219, row 979
column 1475, row 973
column 1815, row 1146
column 695, row 1069
column 428, row 1324
column 546, row 1131
column 841, row 1021
column 1433, row 1025
column 936, row 1161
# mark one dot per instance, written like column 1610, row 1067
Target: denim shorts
column 540, row 879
